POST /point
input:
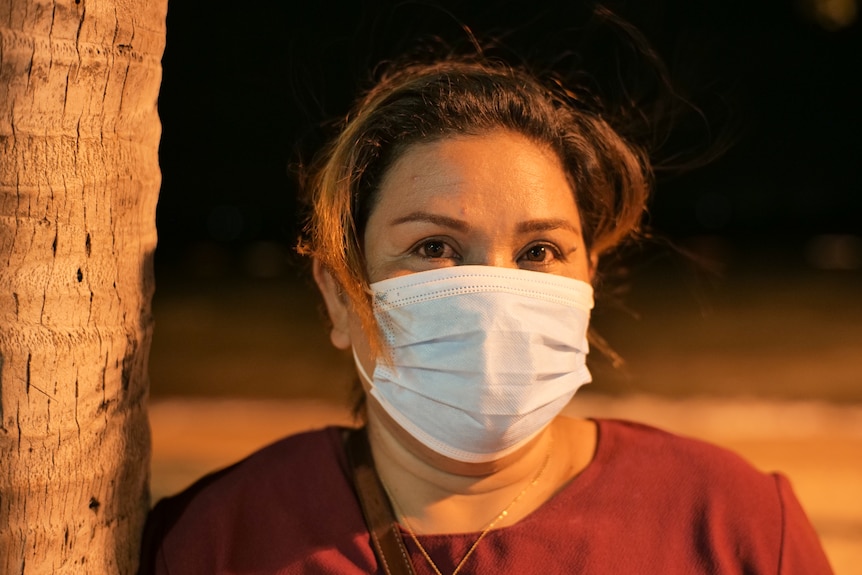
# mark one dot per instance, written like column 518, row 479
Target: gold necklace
column 484, row 532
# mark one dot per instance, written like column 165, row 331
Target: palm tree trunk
column 79, row 180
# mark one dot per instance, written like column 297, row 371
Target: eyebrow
column 547, row 225
column 529, row 226
column 437, row 219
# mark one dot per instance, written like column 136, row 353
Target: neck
column 434, row 494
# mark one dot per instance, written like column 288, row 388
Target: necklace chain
column 485, row 531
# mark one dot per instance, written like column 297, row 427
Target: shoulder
column 292, row 460
column 668, row 467
column 654, row 450
column 278, row 489
column 705, row 498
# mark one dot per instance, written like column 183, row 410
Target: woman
column 458, row 220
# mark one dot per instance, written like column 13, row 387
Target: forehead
column 499, row 166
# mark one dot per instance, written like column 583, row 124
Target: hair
column 461, row 95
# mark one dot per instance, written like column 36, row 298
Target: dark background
column 248, row 91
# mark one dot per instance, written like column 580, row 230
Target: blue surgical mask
column 481, row 359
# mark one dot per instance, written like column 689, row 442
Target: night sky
column 248, row 90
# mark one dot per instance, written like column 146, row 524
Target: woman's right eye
column 435, row 249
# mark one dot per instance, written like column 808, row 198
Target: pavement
column 816, row 444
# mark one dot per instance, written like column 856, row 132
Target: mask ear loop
column 362, row 373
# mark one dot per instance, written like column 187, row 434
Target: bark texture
column 79, row 180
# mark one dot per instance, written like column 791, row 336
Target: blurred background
column 740, row 320
column 750, row 287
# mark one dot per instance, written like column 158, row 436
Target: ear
column 337, row 305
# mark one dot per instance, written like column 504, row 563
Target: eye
column 540, row 253
column 434, row 249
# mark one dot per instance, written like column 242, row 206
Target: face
column 495, row 199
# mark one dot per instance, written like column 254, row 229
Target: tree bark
column 79, row 180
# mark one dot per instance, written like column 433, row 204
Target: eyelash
column 556, row 253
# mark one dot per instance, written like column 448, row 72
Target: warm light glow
column 833, row 14
column 835, row 252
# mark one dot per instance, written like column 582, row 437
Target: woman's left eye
column 433, row 249
column 540, row 253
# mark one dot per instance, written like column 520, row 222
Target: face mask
column 482, row 358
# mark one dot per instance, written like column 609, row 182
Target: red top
column 649, row 502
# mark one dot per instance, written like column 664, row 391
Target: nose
column 492, row 256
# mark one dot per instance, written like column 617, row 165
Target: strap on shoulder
column 379, row 517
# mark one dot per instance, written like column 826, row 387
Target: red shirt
column 649, row 502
